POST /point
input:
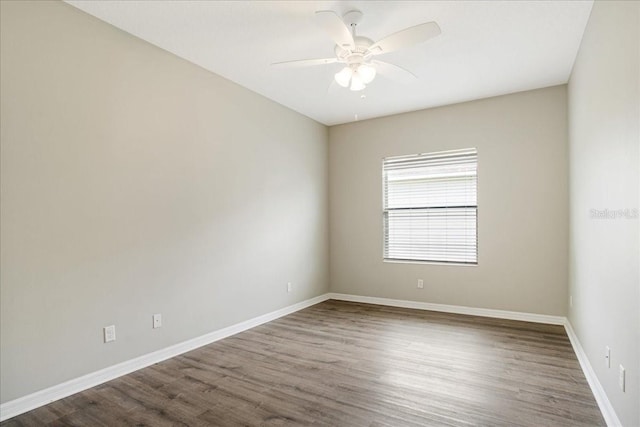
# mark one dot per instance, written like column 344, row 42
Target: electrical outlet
column 157, row 320
column 607, row 356
column 621, row 378
column 420, row 284
column 109, row 333
column 289, row 287
column 570, row 301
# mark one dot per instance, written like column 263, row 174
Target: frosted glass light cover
column 356, row 82
column 367, row 73
column 342, row 77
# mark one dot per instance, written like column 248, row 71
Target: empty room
column 327, row 213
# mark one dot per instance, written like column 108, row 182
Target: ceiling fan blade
column 335, row 27
column 333, row 87
column 407, row 37
column 394, row 72
column 305, row 62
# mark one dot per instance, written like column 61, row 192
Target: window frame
column 385, row 210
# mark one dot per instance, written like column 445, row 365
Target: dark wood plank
column 349, row 364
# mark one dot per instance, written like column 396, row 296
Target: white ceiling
column 486, row 48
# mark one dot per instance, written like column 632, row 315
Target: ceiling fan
column 357, row 52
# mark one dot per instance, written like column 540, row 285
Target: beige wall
column 134, row 183
column 604, row 140
column 522, row 203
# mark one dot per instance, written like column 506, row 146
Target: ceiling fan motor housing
column 357, row 55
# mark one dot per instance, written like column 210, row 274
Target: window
column 430, row 207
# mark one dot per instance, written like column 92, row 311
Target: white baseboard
column 604, row 404
column 32, row 401
column 458, row 309
column 27, row 403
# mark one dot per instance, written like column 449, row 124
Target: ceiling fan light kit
column 356, row 52
column 355, row 77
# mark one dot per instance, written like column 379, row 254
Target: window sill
column 456, row 264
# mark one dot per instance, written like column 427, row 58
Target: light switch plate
column 110, row 333
column 157, row 320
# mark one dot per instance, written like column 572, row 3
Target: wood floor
column 349, row 364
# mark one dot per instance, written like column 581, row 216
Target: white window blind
column 430, row 207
